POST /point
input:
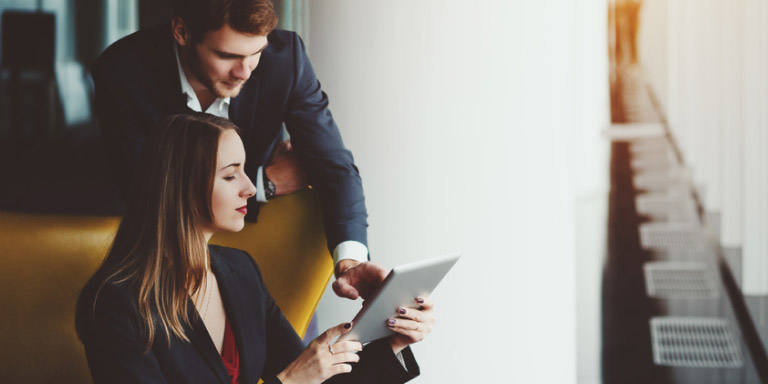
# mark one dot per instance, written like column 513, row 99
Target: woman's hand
column 320, row 360
column 412, row 324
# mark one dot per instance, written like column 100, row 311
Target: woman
column 166, row 307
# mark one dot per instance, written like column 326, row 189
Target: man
column 224, row 57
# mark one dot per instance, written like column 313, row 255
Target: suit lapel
column 176, row 102
column 242, row 109
column 165, row 73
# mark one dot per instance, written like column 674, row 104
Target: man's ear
column 180, row 31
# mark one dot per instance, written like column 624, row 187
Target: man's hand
column 285, row 170
column 355, row 279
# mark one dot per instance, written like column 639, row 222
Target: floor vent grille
column 671, row 236
column 680, row 280
column 694, row 342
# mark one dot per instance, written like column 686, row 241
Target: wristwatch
column 269, row 186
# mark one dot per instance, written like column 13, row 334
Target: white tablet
column 400, row 289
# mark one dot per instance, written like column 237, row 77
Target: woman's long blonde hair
column 160, row 250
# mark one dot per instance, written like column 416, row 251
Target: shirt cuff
column 350, row 249
column 261, row 196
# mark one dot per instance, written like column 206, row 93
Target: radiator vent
column 671, row 236
column 680, row 280
column 694, row 342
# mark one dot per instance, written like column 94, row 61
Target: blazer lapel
column 236, row 307
column 200, row 338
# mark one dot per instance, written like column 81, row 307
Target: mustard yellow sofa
column 46, row 259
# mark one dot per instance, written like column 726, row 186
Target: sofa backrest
column 47, row 259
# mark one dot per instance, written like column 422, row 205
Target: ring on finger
column 330, row 348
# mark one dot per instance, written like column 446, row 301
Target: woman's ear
column 180, row 31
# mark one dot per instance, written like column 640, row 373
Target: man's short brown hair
column 253, row 17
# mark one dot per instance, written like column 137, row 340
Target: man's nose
column 242, row 70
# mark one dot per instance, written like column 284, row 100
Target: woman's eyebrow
column 231, row 165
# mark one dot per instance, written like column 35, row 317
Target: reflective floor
column 669, row 309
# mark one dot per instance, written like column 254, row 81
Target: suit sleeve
column 378, row 364
column 113, row 343
column 330, row 165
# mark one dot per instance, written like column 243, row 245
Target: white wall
column 652, row 46
column 715, row 84
column 465, row 120
column 755, row 142
column 733, row 128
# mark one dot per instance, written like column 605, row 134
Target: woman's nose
column 250, row 189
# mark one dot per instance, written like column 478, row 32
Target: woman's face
column 231, row 187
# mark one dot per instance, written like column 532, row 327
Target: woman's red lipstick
column 243, row 209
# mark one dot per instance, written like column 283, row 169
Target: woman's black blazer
column 110, row 331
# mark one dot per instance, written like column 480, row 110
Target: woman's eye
column 229, row 178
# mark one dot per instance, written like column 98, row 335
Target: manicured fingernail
column 347, row 325
column 420, row 300
column 402, row 311
column 391, row 321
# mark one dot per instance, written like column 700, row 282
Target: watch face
column 270, row 192
column 269, row 187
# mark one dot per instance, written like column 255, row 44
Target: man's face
column 224, row 60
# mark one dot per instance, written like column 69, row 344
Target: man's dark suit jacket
column 266, row 341
column 137, row 85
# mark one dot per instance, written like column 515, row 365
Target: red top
column 229, row 354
